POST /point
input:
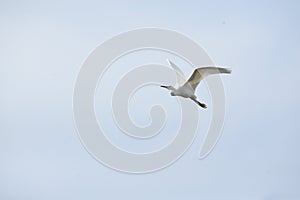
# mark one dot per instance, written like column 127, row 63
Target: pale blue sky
column 42, row 46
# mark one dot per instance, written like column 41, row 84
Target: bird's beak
column 164, row 86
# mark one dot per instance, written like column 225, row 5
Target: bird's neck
column 172, row 88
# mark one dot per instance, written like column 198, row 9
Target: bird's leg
column 199, row 103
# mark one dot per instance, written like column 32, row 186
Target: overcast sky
column 43, row 45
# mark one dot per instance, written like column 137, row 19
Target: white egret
column 187, row 89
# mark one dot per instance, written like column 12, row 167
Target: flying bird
column 187, row 88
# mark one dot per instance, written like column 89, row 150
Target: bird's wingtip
column 227, row 70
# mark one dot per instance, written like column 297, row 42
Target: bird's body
column 187, row 90
column 184, row 91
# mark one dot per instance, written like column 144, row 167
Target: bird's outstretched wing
column 200, row 73
column 180, row 78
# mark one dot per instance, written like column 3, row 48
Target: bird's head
column 168, row 87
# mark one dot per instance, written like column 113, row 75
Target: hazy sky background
column 43, row 45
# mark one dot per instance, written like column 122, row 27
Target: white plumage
column 187, row 89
